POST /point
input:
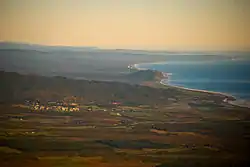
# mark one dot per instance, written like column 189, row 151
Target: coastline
column 228, row 97
column 232, row 98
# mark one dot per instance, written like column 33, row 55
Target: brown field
column 152, row 127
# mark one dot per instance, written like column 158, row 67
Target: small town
column 70, row 106
column 53, row 106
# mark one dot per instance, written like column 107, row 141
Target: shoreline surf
column 165, row 76
column 200, row 90
column 228, row 98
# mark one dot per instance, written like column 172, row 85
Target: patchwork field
column 130, row 139
column 146, row 126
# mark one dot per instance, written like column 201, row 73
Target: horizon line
column 129, row 49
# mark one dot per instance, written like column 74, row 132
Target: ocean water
column 229, row 76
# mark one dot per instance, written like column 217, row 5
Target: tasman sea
column 230, row 76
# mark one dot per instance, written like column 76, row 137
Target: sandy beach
column 230, row 99
column 166, row 77
column 228, row 96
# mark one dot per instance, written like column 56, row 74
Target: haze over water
column 230, row 76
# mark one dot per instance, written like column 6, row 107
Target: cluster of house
column 54, row 106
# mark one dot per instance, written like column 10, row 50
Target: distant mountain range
column 42, row 48
column 46, row 48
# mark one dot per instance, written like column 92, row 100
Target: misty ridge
column 46, row 60
column 87, row 62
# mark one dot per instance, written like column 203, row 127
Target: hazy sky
column 135, row 24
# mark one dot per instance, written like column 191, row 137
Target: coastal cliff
column 145, row 75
